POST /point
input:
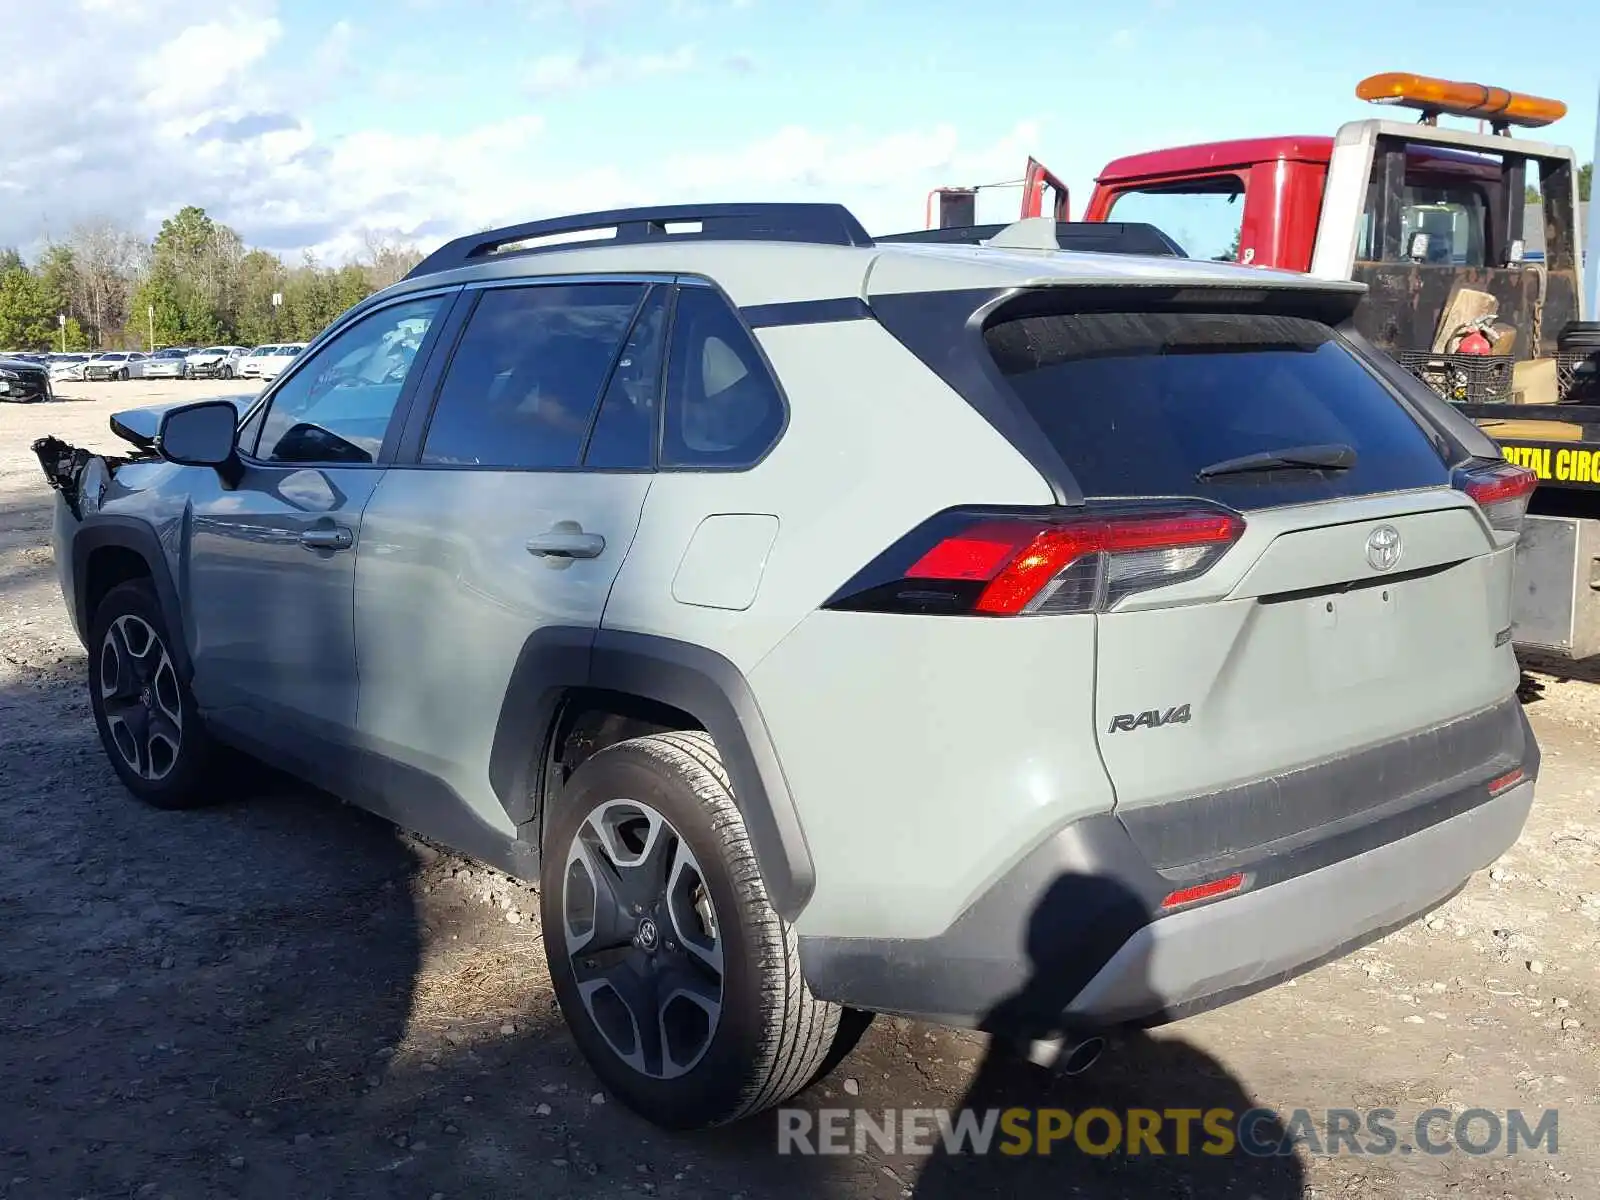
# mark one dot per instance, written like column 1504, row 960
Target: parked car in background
column 116, row 364
column 68, row 368
column 250, row 364
column 268, row 362
column 23, row 380
column 216, row 362
column 170, row 363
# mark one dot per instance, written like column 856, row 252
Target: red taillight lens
column 1502, row 491
column 1084, row 561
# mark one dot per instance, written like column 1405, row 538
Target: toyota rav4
column 986, row 633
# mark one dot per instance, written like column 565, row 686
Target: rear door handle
column 566, row 543
column 324, row 537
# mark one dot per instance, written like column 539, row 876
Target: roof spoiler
column 1041, row 233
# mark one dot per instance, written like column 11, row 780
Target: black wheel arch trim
column 129, row 533
column 555, row 660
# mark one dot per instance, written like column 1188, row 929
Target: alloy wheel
column 140, row 697
column 641, row 935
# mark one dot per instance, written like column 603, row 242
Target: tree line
column 193, row 284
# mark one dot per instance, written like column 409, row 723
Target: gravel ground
column 284, row 997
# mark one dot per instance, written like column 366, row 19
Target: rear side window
column 723, row 409
column 1204, row 216
column 1142, row 404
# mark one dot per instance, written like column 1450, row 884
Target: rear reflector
column 1082, row 560
column 1502, row 490
column 1507, row 781
column 1204, row 891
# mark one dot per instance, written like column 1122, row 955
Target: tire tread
column 801, row 1029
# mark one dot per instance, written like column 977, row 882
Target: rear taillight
column 1502, row 490
column 999, row 565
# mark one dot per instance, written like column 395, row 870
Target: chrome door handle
column 567, row 543
column 325, row 538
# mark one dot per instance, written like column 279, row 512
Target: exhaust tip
column 1066, row 1057
column 1078, row 1059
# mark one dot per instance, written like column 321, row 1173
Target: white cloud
column 197, row 64
column 556, row 73
column 218, row 112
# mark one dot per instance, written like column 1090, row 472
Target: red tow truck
column 1437, row 221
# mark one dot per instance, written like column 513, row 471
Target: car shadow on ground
column 281, row 995
column 1051, row 1133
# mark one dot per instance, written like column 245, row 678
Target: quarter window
column 722, row 409
column 525, row 379
column 336, row 408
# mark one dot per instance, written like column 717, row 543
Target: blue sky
column 305, row 122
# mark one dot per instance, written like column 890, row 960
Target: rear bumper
column 1074, row 937
column 1210, row 955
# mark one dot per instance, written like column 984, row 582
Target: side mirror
column 202, row 435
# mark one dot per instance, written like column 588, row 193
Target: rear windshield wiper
column 1335, row 456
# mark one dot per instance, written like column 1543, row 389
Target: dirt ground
column 282, row 997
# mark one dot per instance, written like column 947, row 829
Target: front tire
column 680, row 983
column 147, row 718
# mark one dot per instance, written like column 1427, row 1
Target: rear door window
column 525, row 381
column 1141, row 404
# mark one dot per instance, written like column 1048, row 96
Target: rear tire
column 147, row 718
column 681, row 985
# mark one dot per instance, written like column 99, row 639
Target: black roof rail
column 822, row 224
column 1104, row 237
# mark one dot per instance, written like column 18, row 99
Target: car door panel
column 270, row 557
column 273, row 629
column 443, row 608
column 496, row 532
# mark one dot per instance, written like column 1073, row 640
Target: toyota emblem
column 1383, row 548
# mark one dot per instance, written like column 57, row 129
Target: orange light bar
column 1460, row 99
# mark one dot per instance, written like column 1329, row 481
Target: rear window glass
column 1140, row 404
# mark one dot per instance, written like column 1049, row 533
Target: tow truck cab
column 1352, row 206
column 1424, row 214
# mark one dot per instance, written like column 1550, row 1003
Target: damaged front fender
column 79, row 475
